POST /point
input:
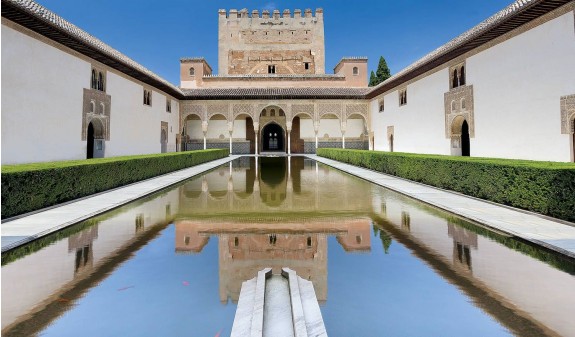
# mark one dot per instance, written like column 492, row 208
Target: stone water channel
column 172, row 264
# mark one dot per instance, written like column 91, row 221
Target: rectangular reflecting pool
column 172, row 264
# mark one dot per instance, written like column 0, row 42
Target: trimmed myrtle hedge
column 29, row 187
column 543, row 187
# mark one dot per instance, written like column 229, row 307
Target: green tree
column 372, row 79
column 381, row 74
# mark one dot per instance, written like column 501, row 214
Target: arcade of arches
column 288, row 126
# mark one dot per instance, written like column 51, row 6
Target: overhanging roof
column 504, row 21
column 275, row 93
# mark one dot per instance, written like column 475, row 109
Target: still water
column 172, row 264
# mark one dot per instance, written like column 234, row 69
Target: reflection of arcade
column 246, row 248
column 238, row 187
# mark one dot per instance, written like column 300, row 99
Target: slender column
column 231, row 131
column 257, row 131
column 288, row 128
column 205, row 131
column 343, row 125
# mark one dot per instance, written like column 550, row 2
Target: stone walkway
column 28, row 228
column 553, row 234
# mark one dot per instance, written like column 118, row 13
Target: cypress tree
column 372, row 79
column 383, row 72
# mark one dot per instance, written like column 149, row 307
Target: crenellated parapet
column 274, row 14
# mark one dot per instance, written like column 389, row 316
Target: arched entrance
column 460, row 143
column 273, row 138
column 95, row 140
column 164, row 141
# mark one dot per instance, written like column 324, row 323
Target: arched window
column 92, row 107
column 149, row 98
column 463, row 104
column 454, row 81
column 381, row 106
column 355, row 71
column 102, row 108
column 462, row 76
column 192, row 71
column 94, row 83
column 452, row 106
column 100, row 81
column 272, row 112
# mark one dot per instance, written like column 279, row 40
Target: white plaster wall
column 517, row 86
column 42, row 106
column 419, row 125
column 41, row 101
column 135, row 128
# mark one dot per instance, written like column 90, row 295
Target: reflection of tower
column 463, row 240
column 246, row 248
column 81, row 243
column 242, row 255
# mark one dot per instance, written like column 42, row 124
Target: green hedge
column 30, row 187
column 543, row 187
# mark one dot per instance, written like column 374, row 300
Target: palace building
column 504, row 89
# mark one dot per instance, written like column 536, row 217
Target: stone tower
column 273, row 43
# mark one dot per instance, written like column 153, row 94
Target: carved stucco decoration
column 361, row 109
column 218, row 109
column 96, row 106
column 459, row 102
column 242, row 108
column 308, row 109
column 568, row 114
column 329, row 108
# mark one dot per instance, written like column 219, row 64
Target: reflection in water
column 245, row 250
column 262, row 212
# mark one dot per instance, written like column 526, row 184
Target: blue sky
column 158, row 33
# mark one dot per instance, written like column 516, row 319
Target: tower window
column 192, row 71
column 306, row 65
column 381, row 106
column 168, row 105
column 271, row 69
column 355, row 71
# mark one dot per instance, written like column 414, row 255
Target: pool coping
column 553, row 234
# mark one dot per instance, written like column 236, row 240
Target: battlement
column 266, row 14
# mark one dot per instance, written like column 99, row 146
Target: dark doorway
column 90, row 143
column 391, row 143
column 465, row 139
column 273, row 138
